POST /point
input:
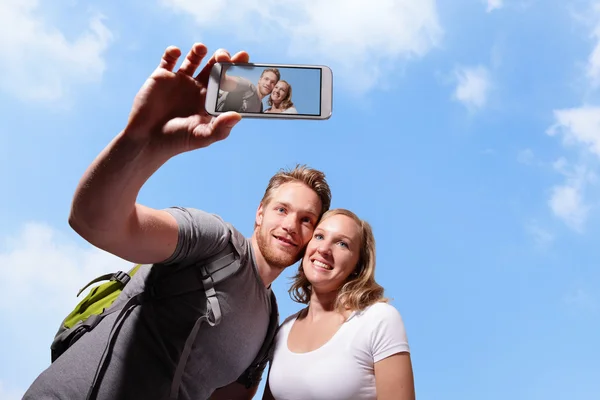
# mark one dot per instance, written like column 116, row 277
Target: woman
column 348, row 343
column 281, row 99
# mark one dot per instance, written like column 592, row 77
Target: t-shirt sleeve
column 244, row 85
column 200, row 236
column 388, row 335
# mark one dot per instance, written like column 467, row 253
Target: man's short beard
column 274, row 258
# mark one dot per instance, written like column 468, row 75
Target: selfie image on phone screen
column 268, row 89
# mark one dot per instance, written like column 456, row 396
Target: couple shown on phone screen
column 347, row 343
column 239, row 94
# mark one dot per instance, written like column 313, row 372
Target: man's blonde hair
column 360, row 290
column 273, row 70
column 312, row 178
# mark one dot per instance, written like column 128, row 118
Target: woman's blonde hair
column 360, row 290
column 287, row 100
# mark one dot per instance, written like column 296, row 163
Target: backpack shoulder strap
column 205, row 274
column 253, row 374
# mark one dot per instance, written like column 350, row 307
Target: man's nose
column 290, row 225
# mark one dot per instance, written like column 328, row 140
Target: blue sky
column 466, row 132
column 305, row 83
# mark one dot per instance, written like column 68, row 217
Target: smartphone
column 280, row 91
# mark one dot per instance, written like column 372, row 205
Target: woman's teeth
column 322, row 265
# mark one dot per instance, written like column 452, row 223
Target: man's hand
column 167, row 118
column 228, row 83
column 168, row 112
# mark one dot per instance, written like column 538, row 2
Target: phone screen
column 270, row 89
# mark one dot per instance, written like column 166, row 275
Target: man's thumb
column 224, row 124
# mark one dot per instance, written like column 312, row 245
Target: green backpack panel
column 86, row 315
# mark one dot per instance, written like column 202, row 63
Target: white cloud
column 473, row 86
column 579, row 129
column 567, row 201
column 494, row 5
column 361, row 42
column 41, row 271
column 39, row 263
column 578, row 126
column 39, row 62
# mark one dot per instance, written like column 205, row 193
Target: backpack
column 97, row 304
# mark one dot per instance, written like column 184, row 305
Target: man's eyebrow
column 288, row 205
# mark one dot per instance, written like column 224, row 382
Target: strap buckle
column 122, row 277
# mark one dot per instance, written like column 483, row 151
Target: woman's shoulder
column 379, row 311
column 380, row 316
column 383, row 328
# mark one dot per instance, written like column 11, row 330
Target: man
column 240, row 95
column 168, row 118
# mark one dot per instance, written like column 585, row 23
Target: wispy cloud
column 526, row 156
column 567, row 200
column 578, row 129
column 39, row 62
column 361, row 44
column 593, row 62
column 494, row 5
column 473, row 86
column 543, row 238
column 39, row 262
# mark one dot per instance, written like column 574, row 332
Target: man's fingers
column 220, row 55
column 169, row 58
column 193, row 59
column 240, row 57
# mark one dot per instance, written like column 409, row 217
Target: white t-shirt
column 343, row 368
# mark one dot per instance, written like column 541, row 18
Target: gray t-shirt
column 244, row 98
column 147, row 348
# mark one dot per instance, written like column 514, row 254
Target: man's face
column 267, row 82
column 286, row 223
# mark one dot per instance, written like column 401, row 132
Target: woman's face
column 332, row 254
column 279, row 92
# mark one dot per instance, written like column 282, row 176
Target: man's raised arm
column 167, row 118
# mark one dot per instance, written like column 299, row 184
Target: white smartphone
column 281, row 91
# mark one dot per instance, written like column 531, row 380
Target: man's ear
column 259, row 215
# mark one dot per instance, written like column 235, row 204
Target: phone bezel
column 326, row 91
